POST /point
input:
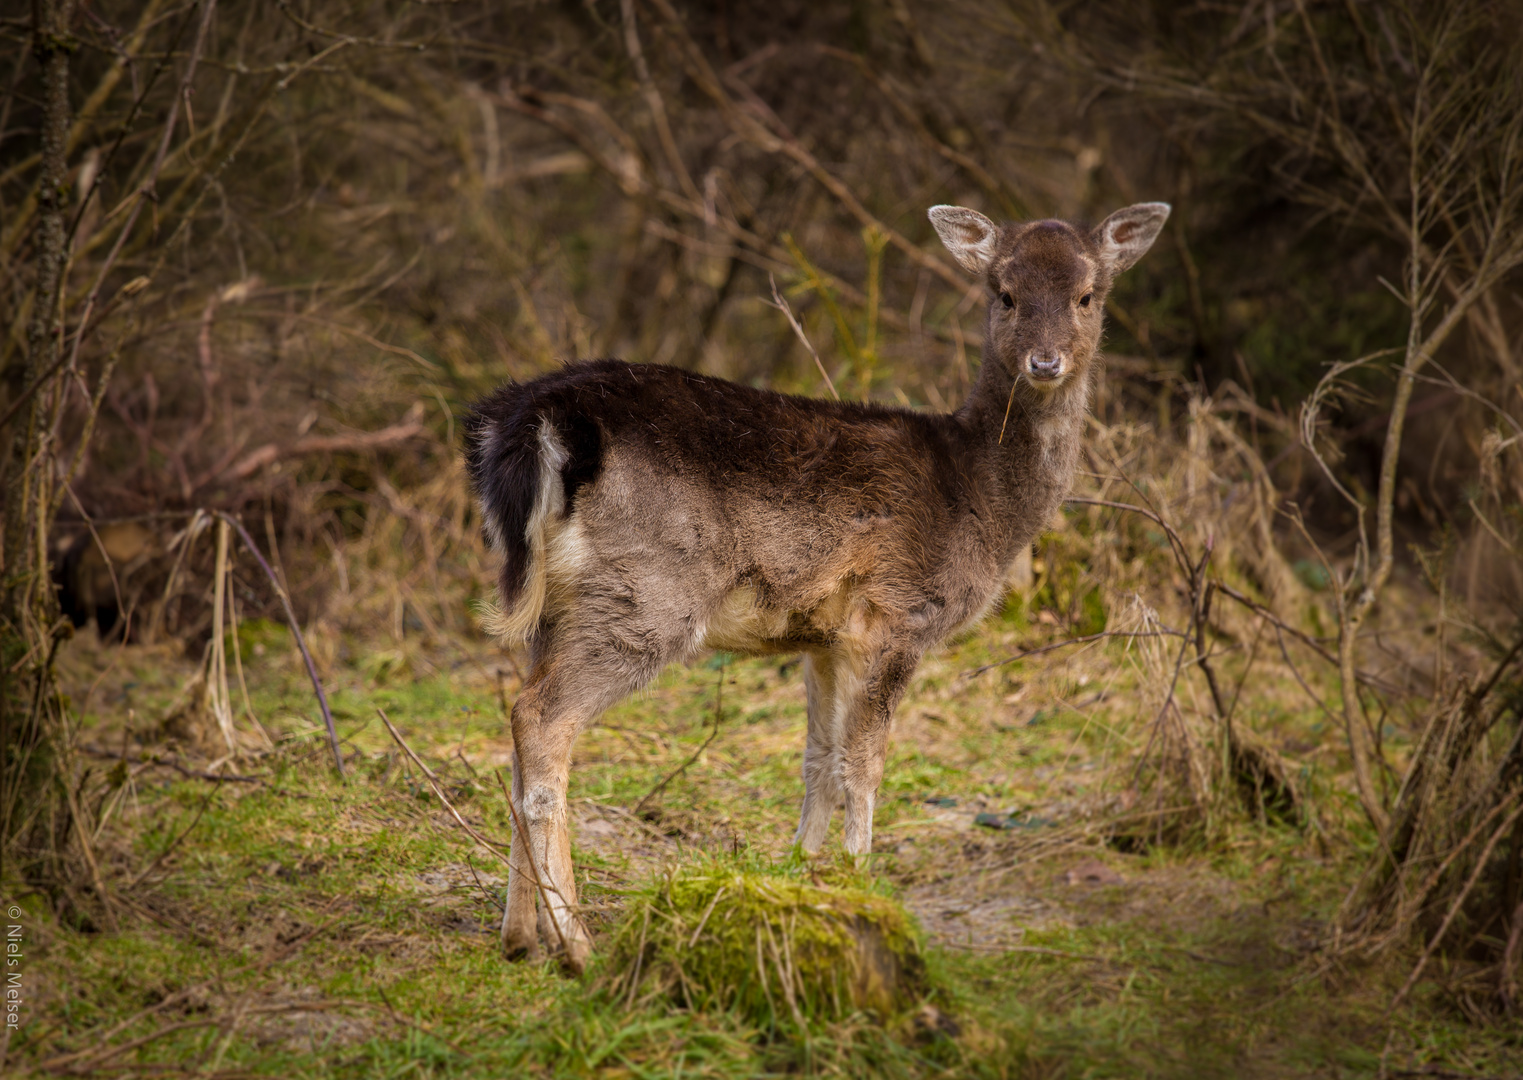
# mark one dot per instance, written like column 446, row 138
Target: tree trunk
column 27, row 604
column 52, row 44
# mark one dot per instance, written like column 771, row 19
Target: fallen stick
column 432, row 778
column 170, row 763
column 151, row 867
column 410, row 427
column 680, row 769
column 494, row 849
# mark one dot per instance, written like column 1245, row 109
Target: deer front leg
column 519, row 940
column 865, row 743
column 822, row 752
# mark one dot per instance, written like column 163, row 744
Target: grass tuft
column 773, row 943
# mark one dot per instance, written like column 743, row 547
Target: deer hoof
column 575, row 955
column 517, row 947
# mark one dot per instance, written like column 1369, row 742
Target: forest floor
column 280, row 923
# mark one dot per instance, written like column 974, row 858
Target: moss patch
column 774, row 944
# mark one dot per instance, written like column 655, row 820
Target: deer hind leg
column 864, row 744
column 540, row 860
column 519, row 939
column 573, row 681
column 822, row 751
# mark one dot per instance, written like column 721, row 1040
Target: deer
column 645, row 514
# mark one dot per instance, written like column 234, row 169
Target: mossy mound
column 781, row 948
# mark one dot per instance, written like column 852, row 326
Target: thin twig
column 1475, row 875
column 1284, row 652
column 100, row 546
column 87, row 850
column 679, row 770
column 151, row 867
column 484, row 890
column 1480, row 693
column 1162, row 631
column 782, row 305
column 539, row 883
column 301, row 642
column 56, row 1063
column 170, row 763
column 147, row 190
column 432, row 778
column 1365, row 677
column 37, row 384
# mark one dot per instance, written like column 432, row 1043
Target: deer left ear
column 1126, row 235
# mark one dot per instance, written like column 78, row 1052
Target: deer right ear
column 968, row 235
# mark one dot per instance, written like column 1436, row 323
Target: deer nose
column 1045, row 365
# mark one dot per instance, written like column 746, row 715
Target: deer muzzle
column 1044, row 366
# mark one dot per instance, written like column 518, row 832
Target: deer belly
column 742, row 624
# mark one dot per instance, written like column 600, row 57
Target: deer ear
column 1126, row 235
column 968, row 235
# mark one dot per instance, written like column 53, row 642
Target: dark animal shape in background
column 83, row 575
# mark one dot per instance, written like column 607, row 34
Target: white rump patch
column 546, row 524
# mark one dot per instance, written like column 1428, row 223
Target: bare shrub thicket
column 1405, row 121
column 256, row 256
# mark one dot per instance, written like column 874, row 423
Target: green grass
column 307, row 928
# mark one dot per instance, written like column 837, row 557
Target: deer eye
column 1084, row 300
column 1004, row 298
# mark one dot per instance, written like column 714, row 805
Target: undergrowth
column 288, row 924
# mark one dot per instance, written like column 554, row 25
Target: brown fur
column 647, row 514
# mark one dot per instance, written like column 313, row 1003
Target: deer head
column 1049, row 280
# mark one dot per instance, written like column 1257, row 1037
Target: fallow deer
column 645, row 514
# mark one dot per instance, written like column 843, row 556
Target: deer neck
column 1026, row 442
column 1009, row 416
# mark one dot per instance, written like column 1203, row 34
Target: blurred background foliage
column 368, row 205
